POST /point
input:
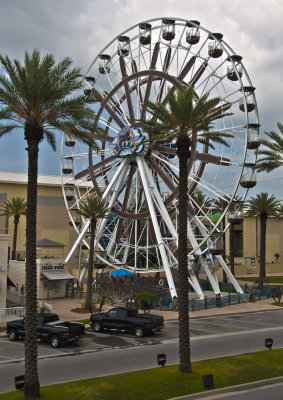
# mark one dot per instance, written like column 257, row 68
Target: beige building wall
column 251, row 246
column 17, row 272
column 3, row 269
column 52, row 216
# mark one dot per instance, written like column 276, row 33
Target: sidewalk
column 64, row 307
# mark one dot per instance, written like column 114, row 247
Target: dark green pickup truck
column 126, row 320
column 49, row 329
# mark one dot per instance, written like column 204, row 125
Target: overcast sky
column 80, row 29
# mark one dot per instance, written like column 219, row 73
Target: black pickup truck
column 49, row 328
column 126, row 320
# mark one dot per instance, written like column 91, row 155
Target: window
column 112, row 314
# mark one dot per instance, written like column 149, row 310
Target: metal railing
column 11, row 313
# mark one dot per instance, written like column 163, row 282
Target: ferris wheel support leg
column 119, row 177
column 77, row 242
column 229, row 274
column 159, row 238
column 162, row 208
column 212, row 279
column 195, row 285
column 83, row 231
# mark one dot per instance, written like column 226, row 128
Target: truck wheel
column 96, row 326
column 55, row 342
column 12, row 335
column 139, row 331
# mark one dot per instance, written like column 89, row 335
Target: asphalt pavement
column 203, row 322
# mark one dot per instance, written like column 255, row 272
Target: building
column 52, row 216
column 52, row 225
column 246, row 245
column 3, row 269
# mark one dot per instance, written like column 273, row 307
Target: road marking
column 9, row 358
column 205, row 337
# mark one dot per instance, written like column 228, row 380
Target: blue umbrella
column 121, row 271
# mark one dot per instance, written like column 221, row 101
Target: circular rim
column 174, row 64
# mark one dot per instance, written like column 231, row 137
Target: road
column 211, row 337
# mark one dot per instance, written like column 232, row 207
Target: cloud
column 81, row 30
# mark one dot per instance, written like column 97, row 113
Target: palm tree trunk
column 183, row 152
column 90, row 267
column 32, row 385
column 16, row 223
column 263, row 219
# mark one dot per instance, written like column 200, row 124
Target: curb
column 230, row 389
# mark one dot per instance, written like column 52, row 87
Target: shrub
column 145, row 301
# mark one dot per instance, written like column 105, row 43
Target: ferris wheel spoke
column 159, row 201
column 211, row 159
column 149, row 83
column 127, row 90
column 198, row 74
column 119, row 180
column 125, row 203
column 108, row 109
column 166, row 150
column 165, row 67
column 103, row 138
column 94, row 167
column 163, row 175
column 188, row 66
column 172, row 186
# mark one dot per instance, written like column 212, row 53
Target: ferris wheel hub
column 130, row 141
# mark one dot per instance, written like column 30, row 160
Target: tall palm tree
column 273, row 153
column 15, row 207
column 187, row 121
column 263, row 206
column 37, row 96
column 93, row 208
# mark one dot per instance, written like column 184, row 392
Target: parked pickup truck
column 49, row 328
column 126, row 320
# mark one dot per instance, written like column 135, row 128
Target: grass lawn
column 267, row 279
column 164, row 383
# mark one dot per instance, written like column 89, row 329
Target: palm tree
column 263, row 206
column 15, row 207
column 187, row 121
column 93, row 209
column 273, row 154
column 37, row 96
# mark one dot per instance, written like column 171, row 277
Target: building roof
column 48, row 243
column 57, row 275
column 43, row 180
column 20, row 178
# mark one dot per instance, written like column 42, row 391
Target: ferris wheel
column 140, row 183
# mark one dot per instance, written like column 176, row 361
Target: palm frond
column 50, row 137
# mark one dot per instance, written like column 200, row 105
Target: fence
column 118, row 287
column 11, row 313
